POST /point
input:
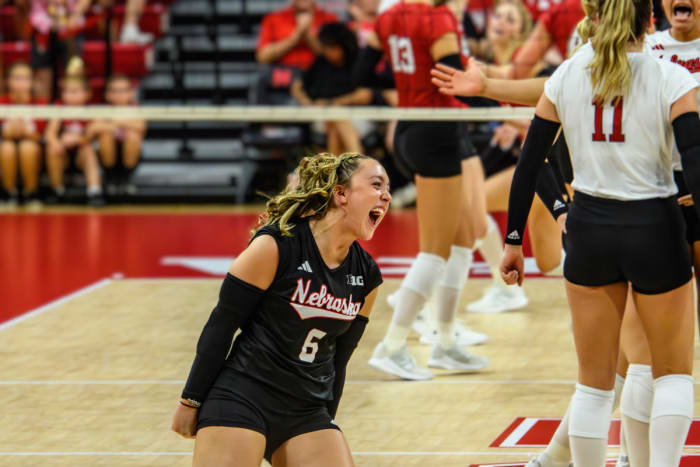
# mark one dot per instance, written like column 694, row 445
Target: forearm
column 360, row 96
column 345, row 346
column 138, row 126
column 237, row 301
column 298, row 93
column 522, row 191
column 271, row 53
column 687, row 132
column 521, row 92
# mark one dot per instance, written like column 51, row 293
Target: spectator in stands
column 364, row 14
column 509, row 25
column 289, row 36
column 56, row 39
column 329, row 81
column 68, row 144
column 19, row 149
column 119, row 140
column 130, row 29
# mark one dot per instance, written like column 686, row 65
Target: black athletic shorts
column 433, row 149
column 641, row 242
column 237, row 400
column 690, row 214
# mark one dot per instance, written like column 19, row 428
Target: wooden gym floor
column 92, row 379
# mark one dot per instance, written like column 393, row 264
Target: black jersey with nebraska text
column 289, row 341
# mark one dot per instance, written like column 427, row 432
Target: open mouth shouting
column 376, row 215
column 682, row 11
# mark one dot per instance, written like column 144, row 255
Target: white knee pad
column 457, row 267
column 673, row 395
column 424, row 274
column 590, row 412
column 638, row 393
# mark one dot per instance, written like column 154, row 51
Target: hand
column 512, row 265
column 453, row 82
column 561, row 221
column 686, row 200
column 185, row 421
column 304, row 21
column 322, row 102
column 75, row 20
column 71, row 140
column 504, row 136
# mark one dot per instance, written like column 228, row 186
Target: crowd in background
column 312, row 54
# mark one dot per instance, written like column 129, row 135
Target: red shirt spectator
column 288, row 27
column 560, row 22
column 538, row 7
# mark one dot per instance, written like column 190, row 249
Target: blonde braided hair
column 312, row 196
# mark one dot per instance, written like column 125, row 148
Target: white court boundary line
column 144, row 382
column 54, row 303
column 189, row 453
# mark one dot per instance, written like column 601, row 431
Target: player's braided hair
column 312, row 195
column 620, row 21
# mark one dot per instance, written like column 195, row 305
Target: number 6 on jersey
column 310, row 347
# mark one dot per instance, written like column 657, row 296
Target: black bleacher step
column 196, row 130
column 228, row 11
column 196, row 85
column 208, row 67
column 234, row 48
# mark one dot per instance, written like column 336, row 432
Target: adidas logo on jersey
column 514, row 235
column 558, row 205
column 305, row 267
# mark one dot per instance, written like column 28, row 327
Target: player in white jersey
column 613, row 104
column 681, row 45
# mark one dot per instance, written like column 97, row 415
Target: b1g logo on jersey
column 321, row 304
column 355, row 280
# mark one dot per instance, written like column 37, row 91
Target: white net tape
column 264, row 113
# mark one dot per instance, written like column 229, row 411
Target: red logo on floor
column 528, row 432
column 692, row 460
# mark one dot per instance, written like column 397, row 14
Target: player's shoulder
column 282, row 239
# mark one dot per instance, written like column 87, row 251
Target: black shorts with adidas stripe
column 640, row 242
column 690, row 214
column 239, row 401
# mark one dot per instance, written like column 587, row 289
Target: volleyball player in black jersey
column 301, row 293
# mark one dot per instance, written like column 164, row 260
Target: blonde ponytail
column 312, row 196
column 620, row 21
column 586, row 27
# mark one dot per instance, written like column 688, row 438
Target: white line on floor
column 189, row 453
column 59, row 301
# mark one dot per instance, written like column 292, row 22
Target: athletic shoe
column 623, row 461
column 455, row 358
column 95, row 201
column 498, row 299
column 543, row 461
column 32, row 202
column 464, row 336
column 10, row 203
column 401, row 363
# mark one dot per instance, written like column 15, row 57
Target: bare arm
column 299, row 94
column 51, row 132
column 532, row 51
column 271, row 53
column 473, row 82
column 369, row 303
column 360, row 96
column 257, row 264
column 136, row 125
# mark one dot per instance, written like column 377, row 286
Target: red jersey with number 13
column 407, row 32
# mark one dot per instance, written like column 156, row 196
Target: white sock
column 448, row 291
column 491, row 249
column 93, row 190
column 558, row 448
column 671, row 415
column 637, row 399
column 619, row 385
column 415, row 290
column 589, row 424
